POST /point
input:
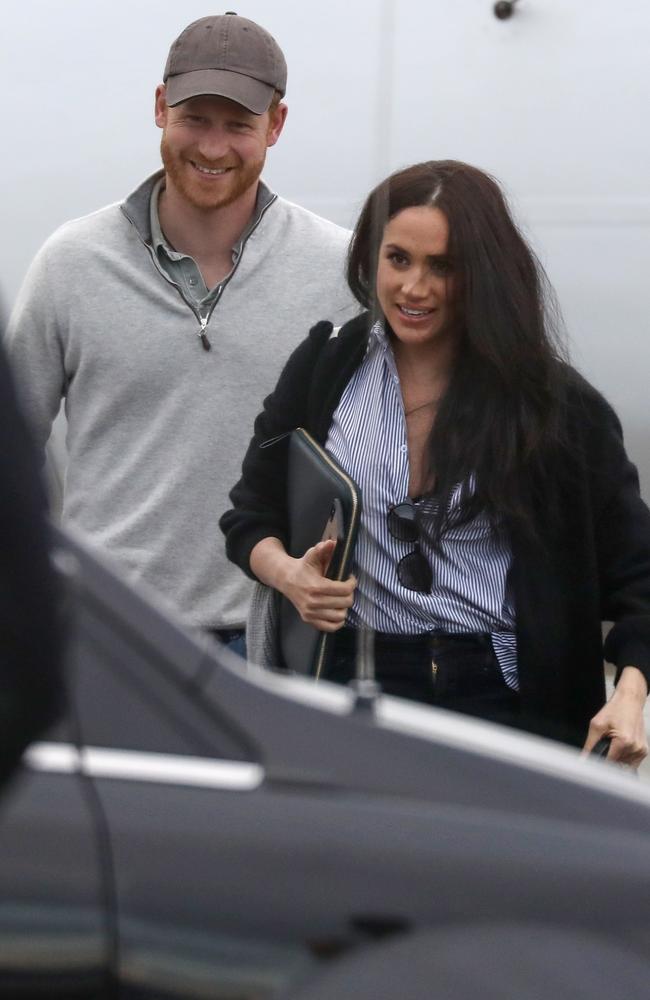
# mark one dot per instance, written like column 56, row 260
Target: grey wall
column 554, row 102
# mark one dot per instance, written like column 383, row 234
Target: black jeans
column 458, row 672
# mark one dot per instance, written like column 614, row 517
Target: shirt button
column 192, row 281
column 403, row 448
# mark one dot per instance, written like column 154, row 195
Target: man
column 165, row 320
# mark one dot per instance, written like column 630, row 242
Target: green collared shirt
column 182, row 268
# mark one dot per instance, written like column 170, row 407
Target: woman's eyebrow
column 430, row 256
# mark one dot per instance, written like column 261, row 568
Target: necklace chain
column 421, row 406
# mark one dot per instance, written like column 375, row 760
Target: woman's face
column 415, row 281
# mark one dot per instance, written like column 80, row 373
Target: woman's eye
column 397, row 258
column 441, row 266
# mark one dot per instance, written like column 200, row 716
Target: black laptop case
column 315, row 481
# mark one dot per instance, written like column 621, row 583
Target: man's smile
column 212, row 171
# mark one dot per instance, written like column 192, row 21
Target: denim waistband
column 227, row 634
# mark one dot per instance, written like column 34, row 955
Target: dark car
column 198, row 829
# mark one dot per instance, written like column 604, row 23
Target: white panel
column 553, row 101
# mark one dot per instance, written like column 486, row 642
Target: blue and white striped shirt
column 469, row 593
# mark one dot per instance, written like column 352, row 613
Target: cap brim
column 251, row 94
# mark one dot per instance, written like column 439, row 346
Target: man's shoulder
column 85, row 229
column 307, row 222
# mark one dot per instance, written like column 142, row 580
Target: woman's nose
column 416, row 284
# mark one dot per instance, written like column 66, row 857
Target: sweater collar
column 137, row 206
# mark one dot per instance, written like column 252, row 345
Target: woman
column 502, row 519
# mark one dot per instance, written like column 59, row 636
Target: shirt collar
column 380, row 341
column 157, row 235
column 378, row 332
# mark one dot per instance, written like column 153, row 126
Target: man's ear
column 160, row 107
column 276, row 124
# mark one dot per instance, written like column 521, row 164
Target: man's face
column 213, row 150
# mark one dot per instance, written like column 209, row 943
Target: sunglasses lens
column 414, row 573
column 402, row 524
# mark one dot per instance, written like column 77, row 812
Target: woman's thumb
column 320, row 554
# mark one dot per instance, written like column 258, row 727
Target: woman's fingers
column 324, row 610
column 326, row 625
column 622, row 720
column 628, row 750
column 628, row 743
column 329, row 599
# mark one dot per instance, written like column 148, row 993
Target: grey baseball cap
column 228, row 56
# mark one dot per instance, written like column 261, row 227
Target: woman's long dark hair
column 500, row 418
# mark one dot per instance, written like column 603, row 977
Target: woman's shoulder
column 354, row 331
column 338, row 346
column 585, row 403
column 325, row 350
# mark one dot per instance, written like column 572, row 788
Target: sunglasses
column 413, row 570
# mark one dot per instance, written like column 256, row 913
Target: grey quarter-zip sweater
column 157, row 424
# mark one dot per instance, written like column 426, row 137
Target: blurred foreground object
column 30, row 682
column 196, row 829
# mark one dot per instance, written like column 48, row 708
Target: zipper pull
column 207, row 346
column 274, row 440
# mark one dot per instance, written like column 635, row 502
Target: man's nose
column 213, row 144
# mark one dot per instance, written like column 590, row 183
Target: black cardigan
column 592, row 566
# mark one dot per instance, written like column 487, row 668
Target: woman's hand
column 321, row 602
column 622, row 720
